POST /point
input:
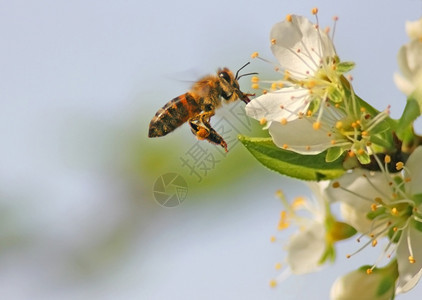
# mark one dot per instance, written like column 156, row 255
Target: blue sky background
column 79, row 82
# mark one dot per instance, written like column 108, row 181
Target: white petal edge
column 414, row 164
column 414, row 29
column 362, row 192
column 300, row 137
column 305, row 249
column 409, row 274
column 404, row 85
column 299, row 46
column 269, row 106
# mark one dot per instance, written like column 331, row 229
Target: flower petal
column 276, row 106
column 359, row 285
column 300, row 136
column 360, row 184
column 404, row 85
column 305, row 249
column 299, row 46
column 356, row 216
column 414, row 29
column 414, row 165
column 409, row 274
column 410, row 62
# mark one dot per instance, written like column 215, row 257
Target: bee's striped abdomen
column 173, row 114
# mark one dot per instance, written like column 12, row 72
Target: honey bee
column 198, row 105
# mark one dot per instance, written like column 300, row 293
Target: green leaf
column 341, row 231
column 306, row 167
column 417, row 225
column 335, row 95
column 345, row 66
column 329, row 255
column 333, row 154
column 314, row 105
column 418, row 199
column 381, row 127
column 383, row 141
column 410, row 113
column 363, row 158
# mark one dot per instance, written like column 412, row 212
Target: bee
column 198, row 105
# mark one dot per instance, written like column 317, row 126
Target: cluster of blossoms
column 356, row 156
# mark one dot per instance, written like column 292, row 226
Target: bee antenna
column 254, row 73
column 237, row 73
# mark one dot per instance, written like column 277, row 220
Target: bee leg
column 200, row 125
column 200, row 131
column 217, row 139
column 206, row 132
column 214, row 137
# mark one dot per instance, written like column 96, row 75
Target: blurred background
column 82, row 214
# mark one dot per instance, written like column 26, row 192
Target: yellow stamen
column 297, row 202
column 399, row 165
column 263, row 121
column 277, row 266
column 282, row 226
column 336, row 184
column 254, row 55
column 316, row 125
column 273, row 283
column 412, row 259
column 255, row 86
column 283, row 121
column 289, row 18
column 314, row 10
column 394, row 211
column 387, row 159
column 273, row 41
column 310, row 84
column 255, row 79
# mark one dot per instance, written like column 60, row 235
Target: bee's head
column 230, row 85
